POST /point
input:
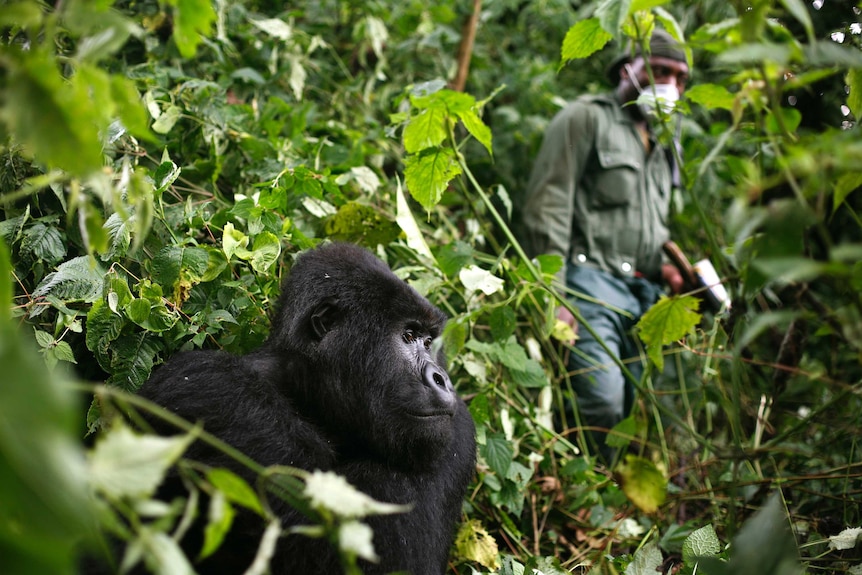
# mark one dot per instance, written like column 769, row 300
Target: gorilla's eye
column 409, row 336
column 427, row 343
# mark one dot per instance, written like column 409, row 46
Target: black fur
column 347, row 381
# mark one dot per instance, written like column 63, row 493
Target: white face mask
column 664, row 95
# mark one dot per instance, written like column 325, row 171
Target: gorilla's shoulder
column 203, row 372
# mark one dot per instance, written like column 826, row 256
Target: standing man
column 599, row 196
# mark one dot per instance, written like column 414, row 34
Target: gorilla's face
column 371, row 341
column 425, row 399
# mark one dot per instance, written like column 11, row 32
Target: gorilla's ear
column 324, row 316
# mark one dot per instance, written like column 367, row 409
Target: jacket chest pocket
column 616, row 179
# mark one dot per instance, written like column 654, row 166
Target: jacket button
column 582, row 258
column 626, row 267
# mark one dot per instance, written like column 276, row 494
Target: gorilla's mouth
column 432, row 414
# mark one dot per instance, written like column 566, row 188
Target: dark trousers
column 604, row 394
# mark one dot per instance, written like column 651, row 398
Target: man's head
column 666, row 60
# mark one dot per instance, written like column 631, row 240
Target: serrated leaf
column 43, row 243
column 425, row 130
column 63, row 352
column 498, row 452
column 123, row 464
column 642, row 482
column 103, row 327
column 702, row 542
column 131, row 360
column 711, row 96
column 427, row 175
column 583, row 40
column 502, row 323
column 477, row 128
column 235, row 489
column 79, row 279
column 475, row 544
column 669, row 320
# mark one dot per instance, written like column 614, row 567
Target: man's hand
column 567, row 318
column 671, row 276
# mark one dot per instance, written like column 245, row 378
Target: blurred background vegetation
column 163, row 161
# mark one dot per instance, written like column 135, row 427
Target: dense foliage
column 163, row 161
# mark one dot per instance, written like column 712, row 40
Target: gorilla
column 349, row 381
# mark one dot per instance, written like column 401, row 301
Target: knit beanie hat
column 661, row 44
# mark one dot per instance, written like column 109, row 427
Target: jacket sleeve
column 557, row 170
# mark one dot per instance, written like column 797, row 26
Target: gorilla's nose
column 436, row 378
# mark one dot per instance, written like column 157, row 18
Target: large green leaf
column 79, row 279
column 498, row 452
column 428, row 173
column 669, row 320
column 48, row 116
column 642, row 482
column 193, row 20
column 46, row 510
column 426, row 130
column 584, row 39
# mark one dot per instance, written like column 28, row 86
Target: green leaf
column 800, row 12
column 219, row 520
column 642, row 482
column 5, row 282
column 265, row 252
column 765, row 543
column 123, row 464
column 498, row 452
column 234, row 242
column 47, row 510
column 43, row 243
column 711, row 96
column 669, row 320
column 235, row 489
column 103, row 327
column 79, row 279
column 427, row 175
column 846, row 183
column 612, row 14
column 502, row 323
column 131, row 359
column 192, row 20
column 138, row 310
column 44, row 113
column 475, row 544
column 477, row 128
column 701, row 543
column 23, row 14
column 854, row 98
column 584, row 39
column 130, row 107
column 167, row 118
column 623, row 432
column 426, row 129
column 646, row 561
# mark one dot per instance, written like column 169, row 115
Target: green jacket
column 595, row 197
